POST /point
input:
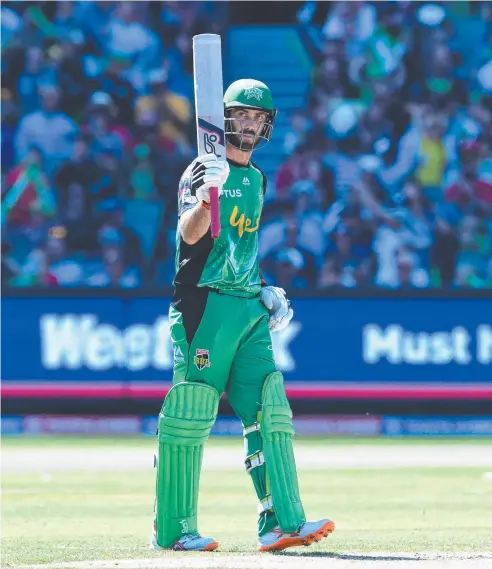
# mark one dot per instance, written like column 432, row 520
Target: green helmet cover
column 249, row 93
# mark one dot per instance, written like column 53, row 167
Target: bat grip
column 214, row 212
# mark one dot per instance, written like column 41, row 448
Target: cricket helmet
column 248, row 94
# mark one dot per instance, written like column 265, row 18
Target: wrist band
column 205, row 205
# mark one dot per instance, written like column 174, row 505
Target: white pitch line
column 286, row 561
column 320, row 458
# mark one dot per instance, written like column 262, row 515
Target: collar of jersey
column 238, row 165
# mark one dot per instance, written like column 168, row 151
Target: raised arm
column 194, row 195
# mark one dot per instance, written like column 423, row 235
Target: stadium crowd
column 386, row 179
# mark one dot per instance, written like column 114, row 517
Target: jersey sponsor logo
column 253, row 93
column 202, row 359
column 231, row 193
column 243, row 223
column 246, row 182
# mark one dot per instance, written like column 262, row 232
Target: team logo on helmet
column 253, row 93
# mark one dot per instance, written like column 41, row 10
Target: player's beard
column 238, row 140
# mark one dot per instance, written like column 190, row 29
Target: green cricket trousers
column 223, row 340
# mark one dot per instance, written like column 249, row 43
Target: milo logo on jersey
column 202, row 359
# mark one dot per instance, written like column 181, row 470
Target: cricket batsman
column 221, row 318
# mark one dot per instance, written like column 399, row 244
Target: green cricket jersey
column 229, row 262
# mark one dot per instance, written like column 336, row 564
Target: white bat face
column 209, row 94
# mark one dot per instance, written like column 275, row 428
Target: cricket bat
column 209, row 106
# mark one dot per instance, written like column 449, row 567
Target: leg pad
column 185, row 421
column 277, row 432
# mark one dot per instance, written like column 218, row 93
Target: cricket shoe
column 189, row 542
column 308, row 533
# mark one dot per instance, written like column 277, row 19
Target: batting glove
column 207, row 172
column 278, row 307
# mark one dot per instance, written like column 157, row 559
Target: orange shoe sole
column 211, row 546
column 324, row 531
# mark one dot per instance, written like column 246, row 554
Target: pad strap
column 251, row 428
column 254, row 460
column 265, row 504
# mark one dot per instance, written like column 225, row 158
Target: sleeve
column 186, row 199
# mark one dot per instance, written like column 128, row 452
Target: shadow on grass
column 360, row 557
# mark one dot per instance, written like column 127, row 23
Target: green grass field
column 51, row 514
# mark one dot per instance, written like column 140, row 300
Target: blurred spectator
column 79, row 182
column 445, row 250
column 34, row 127
column 142, row 178
column 374, row 127
column 290, row 224
column 99, row 127
column 344, row 160
column 394, row 234
column 26, row 186
column 296, row 136
column 9, row 125
column 51, row 264
column 94, row 19
column 170, row 111
column 113, row 271
column 409, row 275
column 330, row 78
column 68, row 61
column 181, row 66
column 349, row 251
column 32, row 79
column 127, row 36
column 114, row 231
column 353, row 21
column 329, row 276
column 387, row 46
column 65, row 18
column 469, row 182
column 442, row 87
column 10, row 267
column 289, row 260
column 433, row 157
column 112, row 81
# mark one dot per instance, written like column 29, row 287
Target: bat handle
column 214, row 212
